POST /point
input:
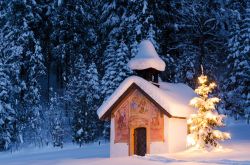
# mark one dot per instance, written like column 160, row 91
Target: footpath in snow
column 236, row 151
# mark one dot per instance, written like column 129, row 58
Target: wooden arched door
column 140, row 141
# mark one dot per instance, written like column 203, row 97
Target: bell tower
column 147, row 64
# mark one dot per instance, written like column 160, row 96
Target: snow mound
column 146, row 57
column 173, row 98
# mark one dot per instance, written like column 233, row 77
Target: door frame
column 132, row 142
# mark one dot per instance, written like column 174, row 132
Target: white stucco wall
column 176, row 134
column 158, row 148
column 116, row 149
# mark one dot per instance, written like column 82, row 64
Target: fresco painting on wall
column 121, row 124
column 137, row 106
column 157, row 124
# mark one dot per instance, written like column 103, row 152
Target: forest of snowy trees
column 59, row 59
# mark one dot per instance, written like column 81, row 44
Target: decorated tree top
column 202, row 126
column 203, row 103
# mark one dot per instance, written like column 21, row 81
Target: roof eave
column 107, row 114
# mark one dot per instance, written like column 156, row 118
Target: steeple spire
column 147, row 63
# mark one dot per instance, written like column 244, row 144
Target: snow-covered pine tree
column 230, row 96
column 71, row 104
column 115, row 61
column 77, row 92
column 186, row 65
column 140, row 16
column 139, row 22
column 236, row 85
column 92, row 45
column 111, row 17
column 108, row 85
column 114, row 24
column 56, row 120
column 151, row 37
column 134, row 48
column 93, row 86
column 32, row 94
column 7, row 113
column 76, row 85
column 169, row 73
column 122, row 70
column 199, row 36
column 31, row 69
column 65, row 39
column 70, row 96
column 202, row 126
column 243, row 65
column 26, row 61
column 73, row 33
column 93, row 126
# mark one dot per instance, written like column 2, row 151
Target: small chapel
column 147, row 116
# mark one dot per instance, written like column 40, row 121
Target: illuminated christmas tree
column 202, row 126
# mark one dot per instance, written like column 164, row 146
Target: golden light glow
column 217, row 134
column 202, row 125
column 202, row 79
column 189, row 121
column 212, row 85
column 210, row 115
column 190, row 140
column 193, row 102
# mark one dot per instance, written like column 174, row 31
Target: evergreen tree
column 151, row 37
column 7, row 113
column 93, row 125
column 199, row 36
column 116, row 70
column 86, row 124
column 141, row 16
column 122, row 71
column 202, row 126
column 78, row 103
column 236, row 86
column 56, row 121
column 243, row 65
column 66, row 38
column 115, row 65
column 108, row 85
column 134, row 48
column 230, row 84
column 26, row 60
column 33, row 109
column 93, row 86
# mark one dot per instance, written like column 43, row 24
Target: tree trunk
column 202, row 54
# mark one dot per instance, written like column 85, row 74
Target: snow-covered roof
column 172, row 97
column 146, row 57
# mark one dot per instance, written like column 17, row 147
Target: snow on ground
column 236, row 151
